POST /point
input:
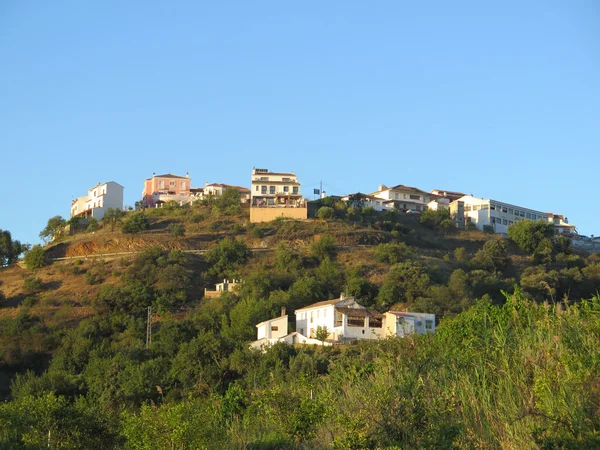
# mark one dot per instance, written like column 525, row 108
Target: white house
column 562, row 225
column 217, row 189
column 377, row 203
column 499, row 215
column 399, row 323
column 275, row 330
column 274, row 189
column 99, row 199
column 405, row 197
column 343, row 317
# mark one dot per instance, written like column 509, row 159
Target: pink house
column 163, row 188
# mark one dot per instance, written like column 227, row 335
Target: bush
column 323, row 248
column 325, row 212
column 32, row 285
column 135, row 222
column 393, row 253
column 529, row 235
column 92, row 278
column 29, row 302
column 93, row 225
column 176, row 229
column 35, row 258
column 226, row 256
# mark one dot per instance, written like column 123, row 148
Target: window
column 324, row 313
column 301, row 331
column 504, row 210
column 263, row 189
column 375, row 322
column 468, row 208
column 522, row 213
column 493, row 207
column 171, row 183
column 484, row 206
column 415, row 197
column 338, row 319
column 312, row 318
column 256, row 189
column 263, row 179
column 405, row 196
column 286, row 189
column 528, row 215
column 476, row 207
column 182, row 185
column 271, row 189
column 318, row 313
column 274, row 328
column 429, row 324
column 95, row 193
column 510, row 210
column 504, row 222
column 295, row 190
column 285, row 179
column 356, row 321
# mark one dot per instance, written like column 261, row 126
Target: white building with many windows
column 499, row 215
column 99, row 199
column 274, row 189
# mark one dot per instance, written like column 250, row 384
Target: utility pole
column 149, row 327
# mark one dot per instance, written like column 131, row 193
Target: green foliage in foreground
column 521, row 375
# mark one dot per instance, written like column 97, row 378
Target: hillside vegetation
column 514, row 362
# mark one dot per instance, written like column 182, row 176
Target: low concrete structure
column 258, row 215
column 225, row 286
column 399, row 323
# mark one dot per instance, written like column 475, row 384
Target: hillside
column 78, row 325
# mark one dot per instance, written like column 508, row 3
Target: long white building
column 500, row 215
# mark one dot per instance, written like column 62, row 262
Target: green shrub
column 135, row 222
column 393, row 253
column 29, row 302
column 93, row 278
column 32, row 285
column 176, row 229
column 226, row 256
column 325, row 212
column 324, row 247
column 35, row 258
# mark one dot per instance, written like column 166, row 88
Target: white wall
column 322, row 316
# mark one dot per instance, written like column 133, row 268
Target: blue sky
column 497, row 99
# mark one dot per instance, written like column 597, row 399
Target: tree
column 113, row 217
column 323, row 248
column 229, row 202
column 35, row 258
column 528, row 234
column 92, row 225
column 226, row 256
column 393, row 253
column 322, row 333
column 437, row 219
column 10, row 249
column 405, row 282
column 357, row 200
column 135, row 222
column 55, row 228
column 325, row 212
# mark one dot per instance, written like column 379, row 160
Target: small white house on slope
column 344, row 318
column 399, row 323
column 275, row 330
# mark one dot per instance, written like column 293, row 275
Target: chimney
column 187, row 174
column 382, row 187
column 342, row 296
column 282, row 311
column 153, row 174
